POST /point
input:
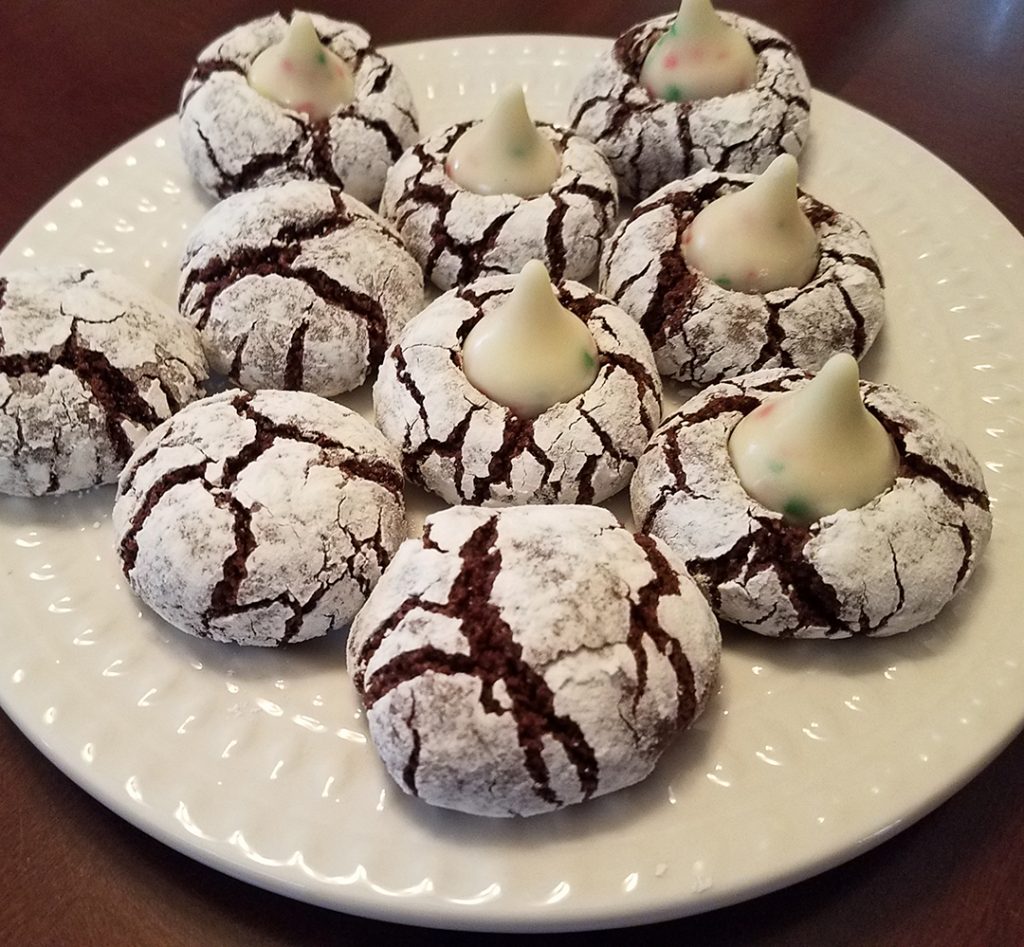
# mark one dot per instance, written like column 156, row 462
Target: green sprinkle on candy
column 673, row 93
column 724, row 282
column 321, row 57
column 589, row 363
column 797, row 508
column 522, row 147
column 776, row 466
column 673, row 30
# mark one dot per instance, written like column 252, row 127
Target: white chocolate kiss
column 530, row 352
column 301, row 73
column 815, row 450
column 504, row 154
column 699, row 57
column 758, row 239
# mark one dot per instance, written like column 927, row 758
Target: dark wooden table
column 78, row 79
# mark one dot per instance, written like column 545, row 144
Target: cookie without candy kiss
column 504, row 154
column 815, row 450
column 758, row 239
column 530, row 352
column 700, row 57
column 301, row 73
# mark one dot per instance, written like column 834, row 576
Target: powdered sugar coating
column 702, row 333
column 89, row 363
column 297, row 286
column 466, row 448
column 516, row 661
column 233, row 138
column 877, row 570
column 651, row 141
column 262, row 519
column 458, row 236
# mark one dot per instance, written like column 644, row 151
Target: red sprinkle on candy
column 287, row 65
column 671, row 61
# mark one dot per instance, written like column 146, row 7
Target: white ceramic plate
column 257, row 763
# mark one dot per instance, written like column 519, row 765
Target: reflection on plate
column 257, row 763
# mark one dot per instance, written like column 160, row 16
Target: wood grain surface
column 77, row 79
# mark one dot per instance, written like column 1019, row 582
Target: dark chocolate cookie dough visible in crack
column 516, row 661
column 297, row 286
column 89, row 363
column 877, row 570
column 261, row 519
column 466, row 448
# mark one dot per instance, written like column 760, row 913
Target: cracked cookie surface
column 516, row 661
column 877, row 570
column 702, row 333
column 233, row 138
column 261, row 519
column 458, row 236
column 297, row 286
column 466, row 448
column 651, row 141
column 89, row 363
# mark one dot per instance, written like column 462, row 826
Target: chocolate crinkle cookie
column 466, row 448
column 877, row 570
column 261, row 519
column 89, row 363
column 297, row 286
column 458, row 235
column 651, row 141
column 516, row 661
column 233, row 138
column 703, row 333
